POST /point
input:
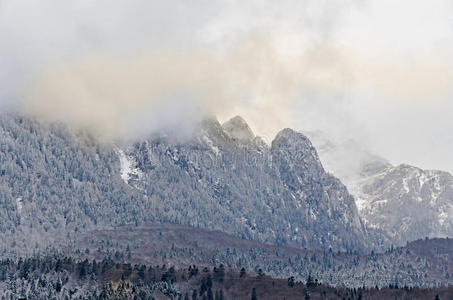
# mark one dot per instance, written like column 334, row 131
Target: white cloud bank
column 377, row 71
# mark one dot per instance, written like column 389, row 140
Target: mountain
column 57, row 182
column 278, row 193
column 237, row 127
column 220, row 196
column 405, row 202
column 408, row 203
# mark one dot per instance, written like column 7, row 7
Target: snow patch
column 436, row 191
column 361, row 203
column 313, row 215
column 209, row 142
column 443, row 216
column 19, row 204
column 127, row 169
column 422, row 179
column 405, row 185
column 381, row 202
column 125, row 165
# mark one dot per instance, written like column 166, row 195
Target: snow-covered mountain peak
column 404, row 201
column 296, row 143
column 408, row 202
column 290, row 135
column 239, row 129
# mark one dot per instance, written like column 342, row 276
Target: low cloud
column 354, row 69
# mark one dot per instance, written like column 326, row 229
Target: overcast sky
column 379, row 72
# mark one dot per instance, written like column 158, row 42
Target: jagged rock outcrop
column 279, row 194
column 238, row 128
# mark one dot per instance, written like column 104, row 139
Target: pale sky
column 379, row 72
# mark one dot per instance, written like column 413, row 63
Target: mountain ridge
column 68, row 183
column 403, row 201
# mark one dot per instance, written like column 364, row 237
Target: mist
column 377, row 72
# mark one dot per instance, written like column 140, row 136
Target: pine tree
column 83, row 270
column 291, row 281
column 209, row 281
column 210, row 295
column 242, row 273
column 254, row 297
column 219, row 273
column 310, row 281
column 95, row 269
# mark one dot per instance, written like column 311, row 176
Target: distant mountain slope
column 404, row 201
column 56, row 183
column 409, row 203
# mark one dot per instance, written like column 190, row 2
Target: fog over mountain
column 406, row 202
column 256, row 150
column 354, row 69
column 57, row 183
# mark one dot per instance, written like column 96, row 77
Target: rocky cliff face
column 55, row 182
column 408, row 203
column 228, row 179
column 405, row 202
